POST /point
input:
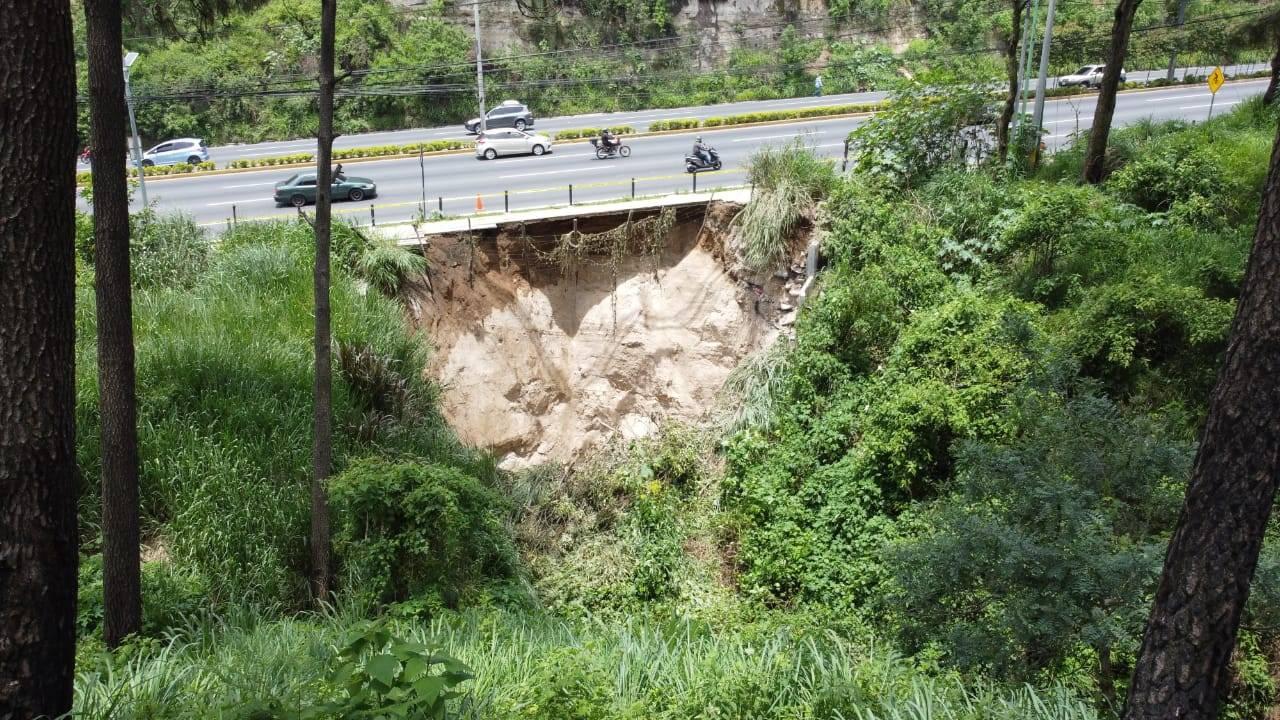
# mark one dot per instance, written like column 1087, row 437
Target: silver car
column 511, row 142
column 1088, row 76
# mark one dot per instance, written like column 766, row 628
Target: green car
column 301, row 189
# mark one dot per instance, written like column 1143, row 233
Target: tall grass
column 534, row 666
column 224, row 367
column 748, row 399
column 788, row 181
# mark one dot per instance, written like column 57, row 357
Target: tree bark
column 38, row 549
column 1095, row 155
column 1269, row 96
column 1184, row 667
column 1011, row 68
column 322, row 449
column 1180, row 17
column 117, row 401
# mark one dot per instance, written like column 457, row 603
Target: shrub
column 674, row 124
column 1157, row 180
column 417, row 530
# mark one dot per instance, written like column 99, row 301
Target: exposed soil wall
column 539, row 365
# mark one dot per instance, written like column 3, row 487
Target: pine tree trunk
column 322, row 449
column 38, row 549
column 1269, row 96
column 116, row 397
column 1184, row 667
column 1096, row 155
column 1011, row 68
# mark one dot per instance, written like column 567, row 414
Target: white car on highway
column 509, row 141
column 1088, row 76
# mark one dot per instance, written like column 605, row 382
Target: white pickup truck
column 1088, row 76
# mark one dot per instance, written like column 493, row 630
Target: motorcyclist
column 701, row 151
column 607, row 139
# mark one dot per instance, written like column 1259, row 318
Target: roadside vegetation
column 946, row 497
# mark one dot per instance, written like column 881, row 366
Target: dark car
column 509, row 114
column 301, row 189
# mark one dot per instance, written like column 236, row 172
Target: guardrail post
column 695, row 182
column 506, row 201
column 373, row 220
column 570, row 193
column 633, row 188
column 440, row 203
column 234, row 220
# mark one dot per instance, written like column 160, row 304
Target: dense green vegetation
column 243, row 71
column 953, row 485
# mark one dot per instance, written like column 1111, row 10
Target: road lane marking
column 260, row 184
column 545, row 172
column 1067, row 120
column 1162, row 98
column 775, row 137
column 236, row 202
column 1225, row 103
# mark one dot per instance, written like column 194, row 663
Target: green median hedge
column 677, row 124
column 587, row 132
column 764, row 116
column 86, row 177
column 273, row 161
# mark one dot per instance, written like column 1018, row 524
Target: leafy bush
column 1157, row 180
column 386, row 677
column 921, row 131
column 414, row 529
column 1048, row 542
column 295, row 159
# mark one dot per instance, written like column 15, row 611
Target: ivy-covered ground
column 947, row 497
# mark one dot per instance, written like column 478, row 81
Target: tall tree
column 1263, row 30
column 1184, row 667
column 1095, row 155
column 322, row 448
column 38, row 554
column 121, row 565
column 1011, row 69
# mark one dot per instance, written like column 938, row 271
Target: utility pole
column 133, row 124
column 475, row 9
column 1173, row 54
column 1025, row 36
column 1037, row 118
column 1028, row 43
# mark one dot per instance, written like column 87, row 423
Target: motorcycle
column 695, row 164
column 608, row 151
column 86, row 156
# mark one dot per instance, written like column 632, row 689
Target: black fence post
column 373, row 219
column 633, row 188
column 506, row 201
column 570, row 193
column 234, row 220
column 695, row 182
column 440, row 203
column 844, row 164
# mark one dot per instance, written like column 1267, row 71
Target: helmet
column 698, row 139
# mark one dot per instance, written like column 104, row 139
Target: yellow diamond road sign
column 1216, row 78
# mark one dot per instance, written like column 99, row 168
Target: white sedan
column 509, row 141
column 1088, row 76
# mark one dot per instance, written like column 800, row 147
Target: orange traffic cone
column 479, row 203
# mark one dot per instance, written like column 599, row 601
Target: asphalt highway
column 452, row 182
column 639, row 119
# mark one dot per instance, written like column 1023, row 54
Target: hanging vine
column 644, row 237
